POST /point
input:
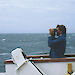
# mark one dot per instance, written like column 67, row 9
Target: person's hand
column 51, row 32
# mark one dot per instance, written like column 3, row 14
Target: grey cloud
column 35, row 14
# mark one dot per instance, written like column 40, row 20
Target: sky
column 36, row 16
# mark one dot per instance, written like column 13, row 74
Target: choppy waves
column 30, row 43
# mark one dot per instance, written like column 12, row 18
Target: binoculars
column 55, row 30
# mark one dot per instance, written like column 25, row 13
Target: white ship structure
column 37, row 64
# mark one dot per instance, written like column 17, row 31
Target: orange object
column 69, row 69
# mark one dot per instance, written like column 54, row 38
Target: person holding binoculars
column 57, row 44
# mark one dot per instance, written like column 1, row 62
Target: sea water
column 31, row 43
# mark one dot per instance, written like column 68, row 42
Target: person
column 57, row 45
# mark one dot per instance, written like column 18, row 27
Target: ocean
column 31, row 43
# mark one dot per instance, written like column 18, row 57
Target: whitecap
column 70, row 47
column 4, row 53
column 20, row 40
column 69, row 37
column 3, row 39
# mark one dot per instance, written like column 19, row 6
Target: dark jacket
column 57, row 46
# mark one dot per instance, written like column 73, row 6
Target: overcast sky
column 36, row 16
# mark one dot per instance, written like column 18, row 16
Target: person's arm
column 52, row 42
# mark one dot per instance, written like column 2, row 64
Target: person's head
column 61, row 29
